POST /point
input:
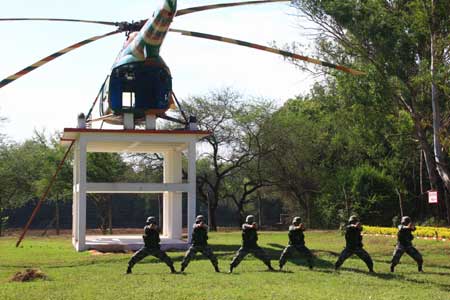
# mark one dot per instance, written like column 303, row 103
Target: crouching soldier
column 151, row 246
column 200, row 244
column 296, row 242
column 249, row 245
column 353, row 240
column 404, row 244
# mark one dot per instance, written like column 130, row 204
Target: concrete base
column 118, row 243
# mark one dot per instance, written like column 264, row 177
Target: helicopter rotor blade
column 268, row 49
column 190, row 10
column 51, row 57
column 61, row 20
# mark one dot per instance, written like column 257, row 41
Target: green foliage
column 392, row 42
column 374, row 195
column 105, row 167
column 233, row 150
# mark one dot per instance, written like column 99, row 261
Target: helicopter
column 140, row 82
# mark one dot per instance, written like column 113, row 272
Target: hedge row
column 421, row 231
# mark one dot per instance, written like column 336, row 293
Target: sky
column 51, row 97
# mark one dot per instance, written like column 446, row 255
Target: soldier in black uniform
column 404, row 244
column 200, row 244
column 296, row 242
column 353, row 240
column 249, row 245
column 151, row 247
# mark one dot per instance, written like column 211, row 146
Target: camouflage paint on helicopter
column 140, row 81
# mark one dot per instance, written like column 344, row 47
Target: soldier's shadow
column 299, row 259
column 386, row 276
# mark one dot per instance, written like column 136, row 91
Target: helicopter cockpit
column 139, row 88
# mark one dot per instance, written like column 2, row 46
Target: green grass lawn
column 73, row 275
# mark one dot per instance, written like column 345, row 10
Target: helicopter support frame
column 171, row 143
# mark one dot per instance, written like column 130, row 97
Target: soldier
column 200, row 244
column 353, row 240
column 404, row 244
column 151, row 246
column 249, row 245
column 296, row 242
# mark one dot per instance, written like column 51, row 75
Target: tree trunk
column 212, row 217
column 427, row 154
column 440, row 163
column 110, row 215
column 57, row 225
column 308, row 211
column 400, row 202
column 448, row 206
column 260, row 210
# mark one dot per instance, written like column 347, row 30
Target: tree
column 394, row 41
column 234, row 125
column 23, row 170
column 294, row 160
column 105, row 167
column 52, row 154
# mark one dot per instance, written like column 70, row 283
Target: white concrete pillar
column 150, row 122
column 192, row 178
column 82, row 195
column 128, row 121
column 172, row 205
column 75, row 202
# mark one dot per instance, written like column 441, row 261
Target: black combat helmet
column 406, row 220
column 250, row 219
column 151, row 220
column 199, row 218
column 353, row 219
column 296, row 220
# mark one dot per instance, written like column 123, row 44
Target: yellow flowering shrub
column 421, row 231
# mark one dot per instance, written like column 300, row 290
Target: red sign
column 432, row 197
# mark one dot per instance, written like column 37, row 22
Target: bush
column 374, row 195
column 421, row 231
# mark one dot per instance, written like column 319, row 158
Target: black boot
column 270, row 267
column 216, row 268
column 419, row 268
column 128, row 270
column 172, row 269
column 231, row 269
column 392, row 268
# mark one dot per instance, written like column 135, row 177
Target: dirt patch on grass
column 28, row 275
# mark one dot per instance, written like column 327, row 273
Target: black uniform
column 199, row 244
column 151, row 247
column 353, row 239
column 296, row 242
column 404, row 244
column 249, row 245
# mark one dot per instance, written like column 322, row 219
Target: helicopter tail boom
column 147, row 42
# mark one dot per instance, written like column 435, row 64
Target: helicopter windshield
column 139, row 88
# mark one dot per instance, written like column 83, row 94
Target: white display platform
column 115, row 243
column 170, row 143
